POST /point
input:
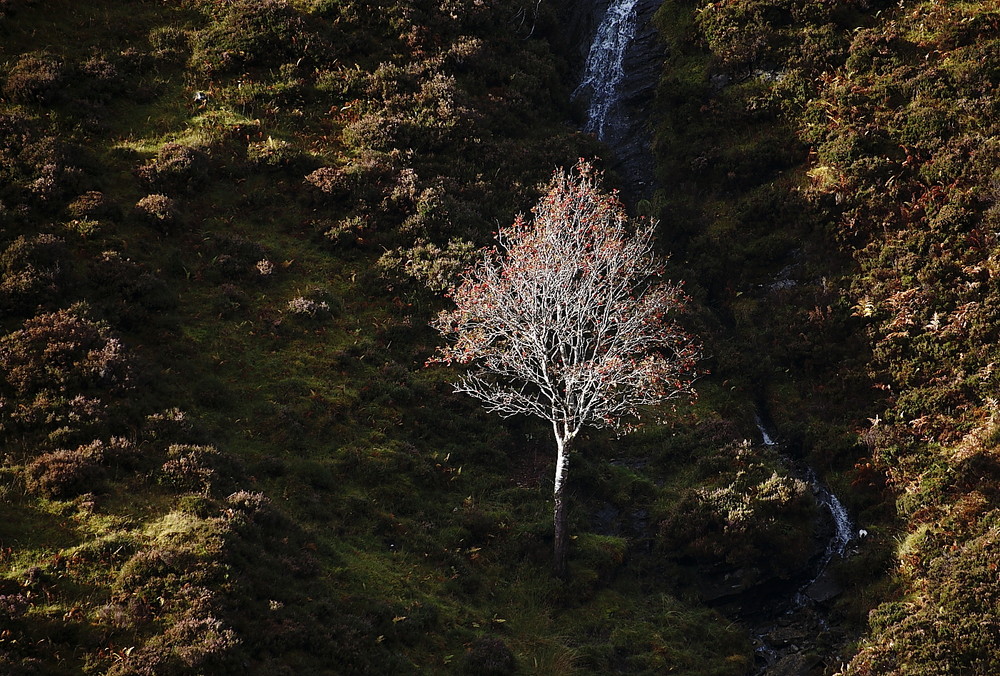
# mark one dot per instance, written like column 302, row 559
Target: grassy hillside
column 832, row 170
column 224, row 228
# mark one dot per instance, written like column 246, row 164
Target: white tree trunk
column 559, row 508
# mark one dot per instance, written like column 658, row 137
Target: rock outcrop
column 627, row 130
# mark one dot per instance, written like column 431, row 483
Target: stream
column 789, row 629
column 604, row 71
column 618, row 84
column 791, row 633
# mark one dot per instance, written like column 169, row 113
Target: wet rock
column 824, row 588
column 798, row 664
column 782, row 637
column 626, row 130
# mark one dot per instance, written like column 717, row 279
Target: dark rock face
column 627, row 130
column 632, row 141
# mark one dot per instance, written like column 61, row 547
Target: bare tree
column 565, row 319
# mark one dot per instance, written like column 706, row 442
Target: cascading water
column 843, row 526
column 604, row 71
column 617, row 84
column 802, row 609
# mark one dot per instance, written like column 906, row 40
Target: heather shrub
column 176, row 168
column 170, row 425
column 158, row 211
column 328, row 184
column 117, row 452
column 305, row 307
column 237, row 257
column 438, row 269
column 64, row 352
column 68, row 473
column 35, row 78
column 13, row 606
column 39, row 151
column 195, row 643
column 48, row 169
column 33, row 271
column 246, row 508
column 65, row 473
column 148, row 573
column 92, row 204
column 248, row 503
column 52, row 183
column 315, row 304
column 259, row 33
column 229, row 300
column 350, row 230
column 113, row 549
column 59, row 373
column 126, row 292
column 189, row 467
column 101, row 80
column 199, row 469
column 170, row 43
column 742, row 513
column 275, row 154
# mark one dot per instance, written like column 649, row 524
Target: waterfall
column 604, row 70
column 843, row 526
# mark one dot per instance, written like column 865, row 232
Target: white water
column 843, row 526
column 604, row 70
column 765, row 437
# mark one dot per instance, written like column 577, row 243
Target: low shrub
column 328, row 184
column 126, row 292
column 176, row 168
column 274, row 154
column 229, row 300
column 64, row 352
column 314, row 304
column 147, row 572
column 13, row 606
column 199, row 469
column 170, row 43
column 101, row 80
column 158, row 211
column 305, row 307
column 32, row 272
column 35, row 79
column 437, row 268
column 92, row 204
column 237, row 257
column 59, row 374
column 65, row 473
column 170, row 425
column 196, row 643
column 744, row 515
column 189, row 468
column 259, row 33
column 244, row 509
column 113, row 549
column 350, row 230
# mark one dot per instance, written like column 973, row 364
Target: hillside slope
column 224, row 228
column 832, row 168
